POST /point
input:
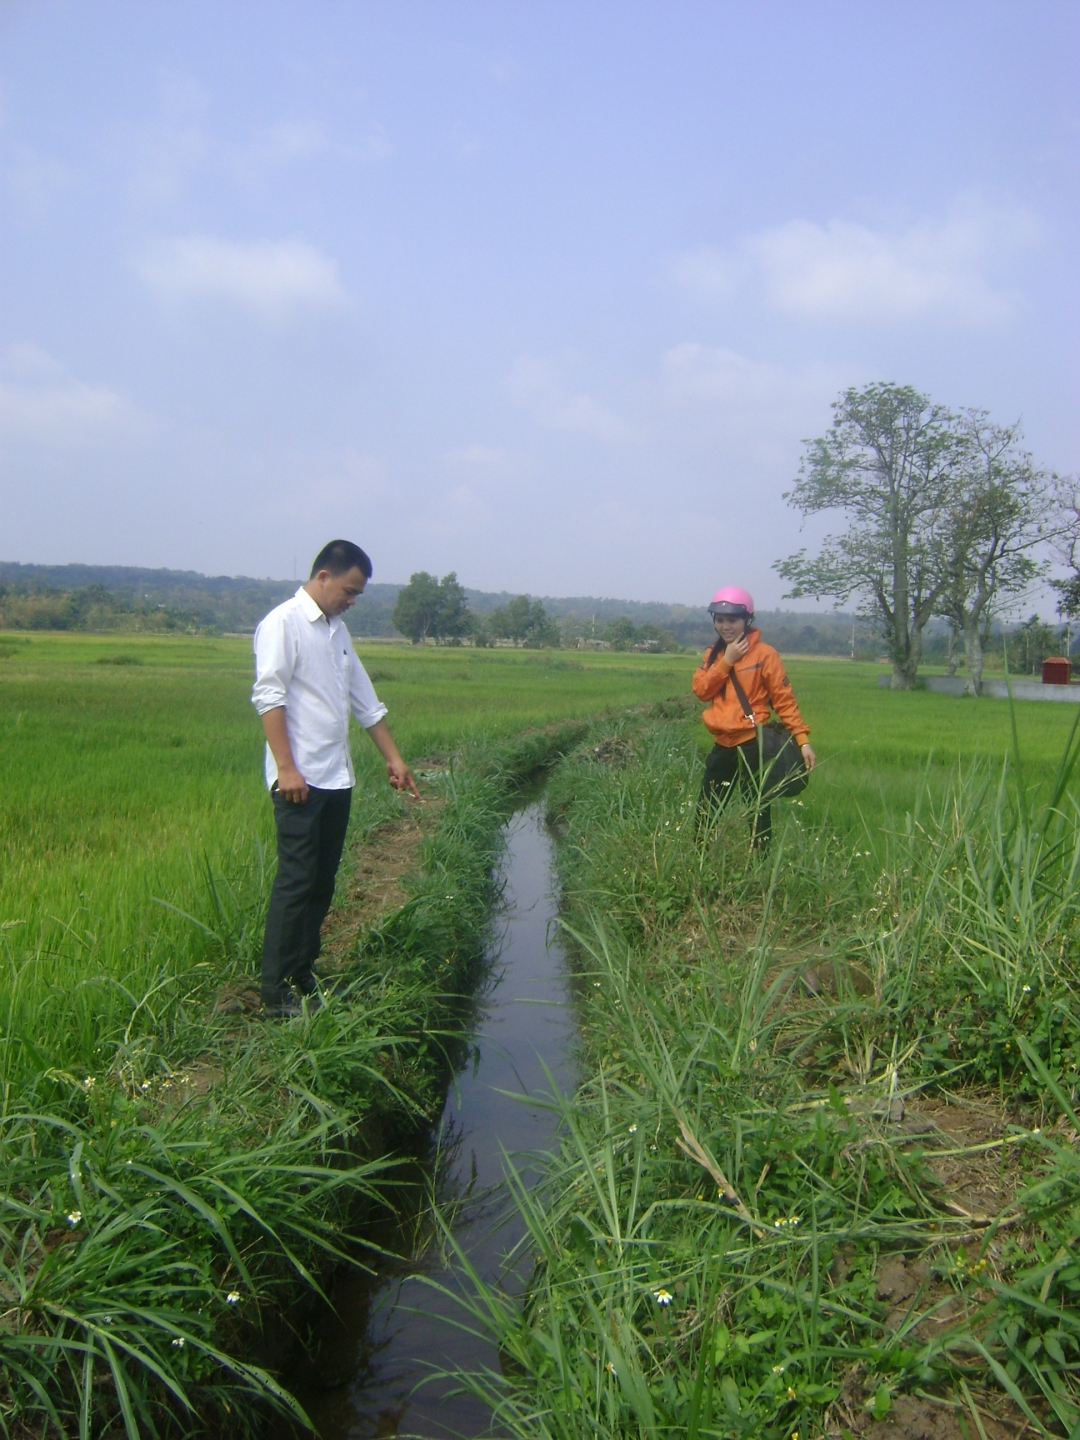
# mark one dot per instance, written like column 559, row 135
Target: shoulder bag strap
column 743, row 701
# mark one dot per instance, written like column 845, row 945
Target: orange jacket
column 761, row 675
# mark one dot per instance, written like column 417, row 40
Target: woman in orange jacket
column 741, row 654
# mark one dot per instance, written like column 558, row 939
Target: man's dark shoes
column 293, row 1006
column 285, row 1009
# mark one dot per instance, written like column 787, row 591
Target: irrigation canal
column 390, row 1334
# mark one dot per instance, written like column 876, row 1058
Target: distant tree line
column 89, row 597
column 91, row 608
column 438, row 610
column 947, row 517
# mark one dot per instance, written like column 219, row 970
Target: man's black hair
column 340, row 556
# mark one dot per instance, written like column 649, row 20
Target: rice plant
column 747, row 1163
column 173, row 1177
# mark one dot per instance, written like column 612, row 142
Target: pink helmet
column 731, row 600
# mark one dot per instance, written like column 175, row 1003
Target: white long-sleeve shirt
column 305, row 662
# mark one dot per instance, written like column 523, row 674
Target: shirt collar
column 308, row 605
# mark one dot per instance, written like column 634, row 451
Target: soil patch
column 913, row 1417
column 371, row 887
column 978, row 1183
column 378, row 869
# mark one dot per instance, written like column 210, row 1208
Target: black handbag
column 782, row 768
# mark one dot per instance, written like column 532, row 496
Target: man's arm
column 290, row 783
column 397, row 772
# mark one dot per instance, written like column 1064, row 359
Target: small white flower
column 778, row 1369
column 611, row 1368
column 74, row 1216
column 633, row 1129
column 89, row 1082
column 233, row 1297
column 180, row 1342
column 596, row 984
column 663, row 1298
column 1027, row 989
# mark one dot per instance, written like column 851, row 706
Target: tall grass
column 710, row 1240
column 164, row 1206
column 134, row 845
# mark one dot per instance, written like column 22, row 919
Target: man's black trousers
column 310, row 838
column 725, row 765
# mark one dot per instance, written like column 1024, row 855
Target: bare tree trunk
column 952, row 657
column 973, row 655
column 906, row 663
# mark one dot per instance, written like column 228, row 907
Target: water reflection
column 389, row 1337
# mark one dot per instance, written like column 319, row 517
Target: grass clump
column 796, row 1192
column 174, row 1177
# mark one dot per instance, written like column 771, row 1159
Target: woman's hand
column 736, row 650
column 809, row 758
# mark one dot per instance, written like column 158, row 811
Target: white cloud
column 734, row 386
column 462, row 142
column 35, row 181
column 341, row 488
column 289, row 140
column 491, row 463
column 272, row 279
column 161, row 157
column 709, row 273
column 41, row 403
column 373, row 144
column 722, row 403
column 938, row 269
column 542, row 386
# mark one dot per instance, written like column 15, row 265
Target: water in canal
column 388, row 1337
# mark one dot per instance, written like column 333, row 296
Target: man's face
column 334, row 594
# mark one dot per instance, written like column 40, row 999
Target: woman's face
column 730, row 627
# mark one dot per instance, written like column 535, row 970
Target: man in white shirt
column 308, row 681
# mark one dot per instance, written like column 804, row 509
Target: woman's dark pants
column 310, row 838
column 725, row 765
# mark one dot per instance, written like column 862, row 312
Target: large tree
column 1067, row 547
column 887, row 464
column 528, row 623
column 1001, row 508
column 431, row 609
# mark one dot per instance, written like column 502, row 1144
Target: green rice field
column 131, row 762
column 135, row 856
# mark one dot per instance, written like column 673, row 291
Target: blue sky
column 548, row 294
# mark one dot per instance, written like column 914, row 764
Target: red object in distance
column 1056, row 670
